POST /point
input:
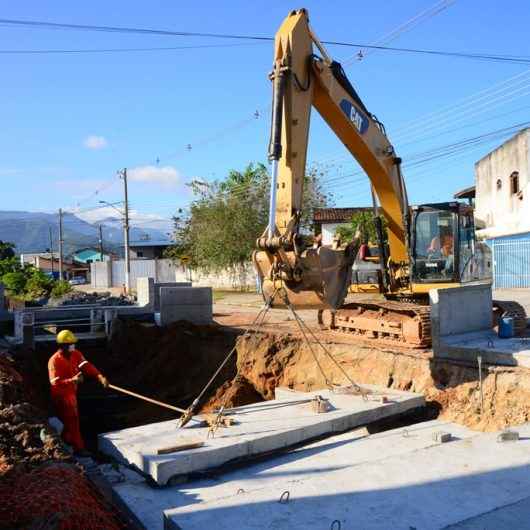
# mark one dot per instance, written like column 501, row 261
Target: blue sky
column 69, row 122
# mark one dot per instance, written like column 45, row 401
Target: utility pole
column 123, row 176
column 101, row 242
column 61, row 244
column 51, row 247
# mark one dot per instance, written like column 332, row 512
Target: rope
column 303, row 325
column 257, row 322
column 298, row 321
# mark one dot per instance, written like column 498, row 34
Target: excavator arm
column 319, row 277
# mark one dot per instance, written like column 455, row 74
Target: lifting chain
column 254, row 326
column 304, row 328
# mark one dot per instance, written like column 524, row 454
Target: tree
column 227, row 217
column 364, row 222
column 6, row 250
column 25, row 282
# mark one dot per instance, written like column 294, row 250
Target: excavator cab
column 443, row 245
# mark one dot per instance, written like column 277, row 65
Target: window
column 434, row 245
column 499, row 184
column 139, row 254
column 514, row 182
column 467, row 241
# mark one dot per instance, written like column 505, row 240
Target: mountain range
column 30, row 232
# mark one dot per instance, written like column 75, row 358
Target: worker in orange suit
column 66, row 369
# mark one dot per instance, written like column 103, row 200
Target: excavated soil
column 40, row 486
column 25, row 438
column 452, row 391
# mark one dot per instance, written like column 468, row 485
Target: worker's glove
column 103, row 380
column 78, row 378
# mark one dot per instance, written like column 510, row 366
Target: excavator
column 428, row 246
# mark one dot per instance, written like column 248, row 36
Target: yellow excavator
column 426, row 247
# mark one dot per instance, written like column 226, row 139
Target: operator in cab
column 444, row 246
column 66, row 369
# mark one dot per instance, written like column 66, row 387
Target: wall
column 328, row 232
column 229, row 280
column 502, row 212
column 112, row 274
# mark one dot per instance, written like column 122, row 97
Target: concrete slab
column 323, row 458
column 468, row 346
column 258, row 428
column 474, row 479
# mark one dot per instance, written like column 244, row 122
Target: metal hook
column 239, row 491
column 284, row 497
column 338, row 525
column 490, row 343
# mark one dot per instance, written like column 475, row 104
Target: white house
column 502, row 197
column 502, row 209
column 327, row 220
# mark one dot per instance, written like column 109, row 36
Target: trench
column 173, row 364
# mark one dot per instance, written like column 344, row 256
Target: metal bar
column 145, row 398
column 479, row 360
column 62, row 321
column 272, row 201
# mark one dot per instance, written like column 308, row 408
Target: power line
column 120, row 50
column 481, row 101
column 422, row 16
column 170, row 33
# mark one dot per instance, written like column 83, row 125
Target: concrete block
column 159, row 285
column 508, row 436
column 193, row 304
column 442, row 437
column 258, row 428
column 101, row 274
column 196, row 314
column 145, row 292
column 186, row 295
column 460, row 310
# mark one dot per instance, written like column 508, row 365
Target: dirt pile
column 235, row 393
column 81, row 298
column 267, row 361
column 25, row 437
column 39, row 486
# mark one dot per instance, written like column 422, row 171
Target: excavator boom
column 319, row 277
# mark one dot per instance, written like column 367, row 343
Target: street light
column 111, row 204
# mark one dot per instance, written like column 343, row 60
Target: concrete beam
column 258, row 429
column 395, row 479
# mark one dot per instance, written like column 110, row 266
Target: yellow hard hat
column 66, row 337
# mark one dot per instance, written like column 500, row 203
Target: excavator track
column 385, row 322
column 510, row 309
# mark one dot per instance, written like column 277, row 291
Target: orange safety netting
column 55, row 496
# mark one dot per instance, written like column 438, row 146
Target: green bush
column 60, row 288
column 14, row 281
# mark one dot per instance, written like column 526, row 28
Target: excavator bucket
column 325, row 275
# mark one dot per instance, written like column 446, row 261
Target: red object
column 61, row 370
column 364, row 251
